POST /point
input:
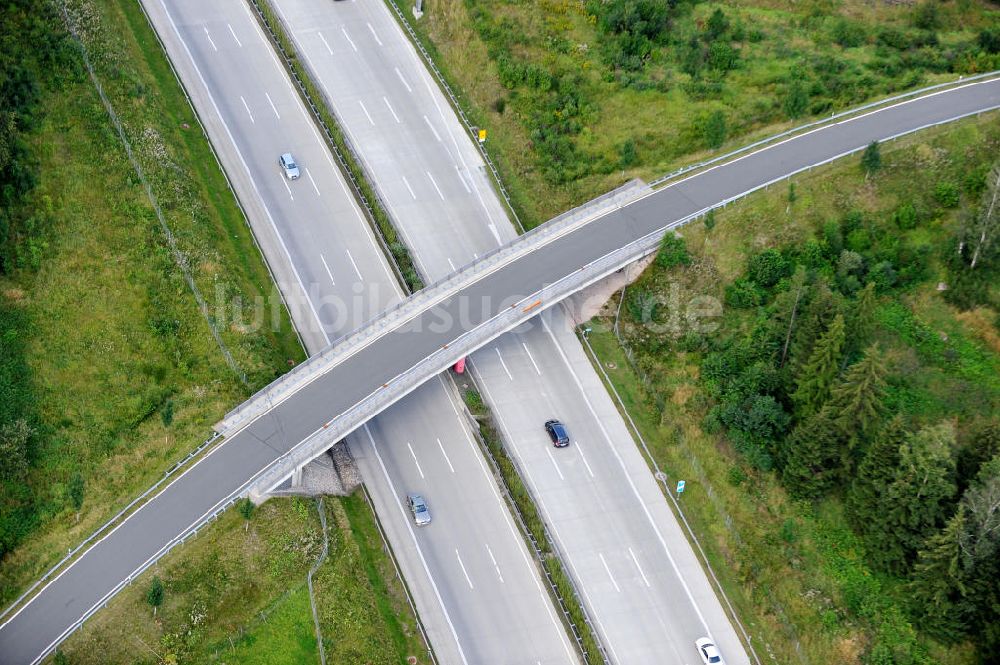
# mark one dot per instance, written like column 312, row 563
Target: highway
column 210, row 482
column 470, row 573
column 644, row 588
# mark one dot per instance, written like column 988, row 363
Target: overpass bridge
column 297, row 417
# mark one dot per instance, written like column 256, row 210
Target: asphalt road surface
column 644, row 588
column 470, row 572
column 225, row 470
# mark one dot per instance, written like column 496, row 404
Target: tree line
column 804, row 391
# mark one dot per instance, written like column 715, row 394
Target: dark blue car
column 557, row 432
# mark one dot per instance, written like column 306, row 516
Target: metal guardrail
column 408, row 379
column 404, row 310
column 817, row 123
column 415, row 39
column 345, row 168
column 470, row 340
column 530, row 538
column 399, row 574
column 664, row 480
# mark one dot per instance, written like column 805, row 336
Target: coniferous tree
column 861, row 323
column 938, row 592
column 858, row 400
column 875, row 473
column 980, row 544
column 819, row 311
column 154, row 595
column 812, row 454
column 916, row 503
column 817, row 376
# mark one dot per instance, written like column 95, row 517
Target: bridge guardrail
column 286, row 385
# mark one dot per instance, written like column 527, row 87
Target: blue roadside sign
column 680, row 486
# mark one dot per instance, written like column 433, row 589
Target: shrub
column 715, row 130
column 848, row 33
column 767, row 268
column 743, row 294
column 673, row 252
column 905, row 216
column 946, row 194
column 796, row 102
column 989, row 40
column 722, row 57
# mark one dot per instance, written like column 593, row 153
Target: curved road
column 86, row 583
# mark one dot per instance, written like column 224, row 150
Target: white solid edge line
column 628, row 478
column 543, row 509
column 416, row 546
column 518, row 538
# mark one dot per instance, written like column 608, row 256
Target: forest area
column 856, row 366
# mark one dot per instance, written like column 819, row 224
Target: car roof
column 287, row 157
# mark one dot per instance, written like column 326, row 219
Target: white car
column 709, row 653
column 288, row 165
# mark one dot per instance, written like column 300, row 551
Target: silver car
column 421, row 515
column 288, row 165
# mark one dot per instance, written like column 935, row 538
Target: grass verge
column 237, row 593
column 124, row 374
column 579, row 97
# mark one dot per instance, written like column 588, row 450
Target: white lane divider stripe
column 351, row 41
column 553, row 460
column 284, row 181
column 434, row 182
column 403, row 80
column 273, row 107
column 328, row 271
column 207, row 34
column 496, row 566
column 436, row 135
column 496, row 234
column 325, row 43
column 248, row 110
column 452, row 264
column 415, row 461
column 367, row 114
column 312, row 181
column 416, row 546
column 233, row 33
column 608, row 569
column 355, row 265
column 532, row 359
column 584, row 458
column 638, row 567
column 389, row 106
column 502, row 363
column 374, row 34
column 441, row 446
column 464, row 571
column 410, row 189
